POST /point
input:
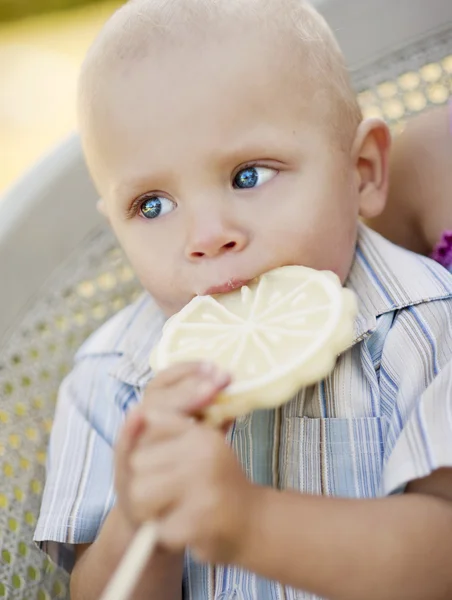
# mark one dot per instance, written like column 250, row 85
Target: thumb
column 129, row 436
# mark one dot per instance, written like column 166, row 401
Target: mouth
column 229, row 286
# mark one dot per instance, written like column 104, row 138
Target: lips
column 229, row 286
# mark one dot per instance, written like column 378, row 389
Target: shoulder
column 126, row 341
column 112, row 366
column 416, row 351
column 112, row 337
column 389, row 279
column 421, row 334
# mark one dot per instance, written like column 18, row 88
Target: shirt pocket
column 332, row 457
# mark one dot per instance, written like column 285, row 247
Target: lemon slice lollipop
column 278, row 334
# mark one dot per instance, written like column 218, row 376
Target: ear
column 371, row 158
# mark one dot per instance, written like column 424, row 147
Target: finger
column 179, row 371
column 154, row 496
column 206, row 392
column 176, row 529
column 129, row 436
column 133, row 427
column 162, row 425
column 190, row 395
column 171, row 448
column 150, row 462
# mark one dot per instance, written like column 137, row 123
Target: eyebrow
column 127, row 190
column 265, row 147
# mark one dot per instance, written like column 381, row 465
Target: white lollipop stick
column 128, row 573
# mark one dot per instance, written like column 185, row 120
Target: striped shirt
column 382, row 418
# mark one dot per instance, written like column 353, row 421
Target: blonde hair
column 128, row 34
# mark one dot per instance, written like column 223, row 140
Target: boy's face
column 216, row 165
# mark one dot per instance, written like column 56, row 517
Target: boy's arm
column 398, row 546
column 95, row 563
column 391, row 548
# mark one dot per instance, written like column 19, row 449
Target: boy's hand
column 179, row 472
column 190, row 481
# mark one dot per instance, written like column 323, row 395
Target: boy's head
column 225, row 140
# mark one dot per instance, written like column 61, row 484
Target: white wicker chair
column 61, row 273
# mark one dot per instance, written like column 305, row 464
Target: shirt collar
column 130, row 335
column 387, row 278
column 384, row 277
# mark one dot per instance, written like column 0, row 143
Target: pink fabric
column 442, row 252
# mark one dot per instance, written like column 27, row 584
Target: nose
column 210, row 237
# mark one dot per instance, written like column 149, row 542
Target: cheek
column 314, row 224
column 150, row 257
column 154, row 257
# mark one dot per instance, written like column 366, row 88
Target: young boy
column 225, row 140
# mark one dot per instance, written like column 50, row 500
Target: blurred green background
column 42, row 45
column 17, row 9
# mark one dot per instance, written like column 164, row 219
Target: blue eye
column 252, row 177
column 156, row 207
